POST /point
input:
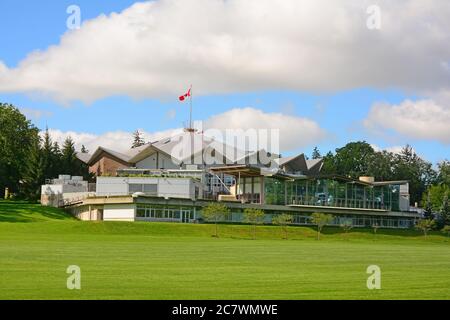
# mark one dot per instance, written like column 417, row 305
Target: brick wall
column 107, row 165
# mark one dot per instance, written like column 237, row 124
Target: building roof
column 187, row 145
column 190, row 147
column 118, row 155
column 83, row 157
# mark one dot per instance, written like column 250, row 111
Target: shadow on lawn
column 334, row 230
column 21, row 211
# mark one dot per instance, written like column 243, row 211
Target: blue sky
column 29, row 26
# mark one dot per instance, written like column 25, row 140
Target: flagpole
column 190, row 112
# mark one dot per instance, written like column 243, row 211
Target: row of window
column 143, row 187
column 186, row 214
column 165, row 213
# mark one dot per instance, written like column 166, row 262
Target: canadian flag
column 184, row 96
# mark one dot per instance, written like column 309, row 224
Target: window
column 133, row 187
column 146, row 188
column 151, row 188
column 140, row 212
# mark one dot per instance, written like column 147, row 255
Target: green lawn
column 174, row 261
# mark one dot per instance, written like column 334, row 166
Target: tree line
column 27, row 159
column 360, row 159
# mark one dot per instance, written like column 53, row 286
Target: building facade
column 173, row 179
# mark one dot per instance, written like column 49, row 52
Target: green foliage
column 283, row 220
column 446, row 230
column 215, row 212
column 351, row 160
column 359, row 158
column 17, row 136
column 428, row 210
column 445, row 210
column 254, row 217
column 321, row 220
column 33, row 174
column 419, row 173
column 26, row 160
column 346, row 226
column 316, row 154
column 375, row 228
column 443, row 177
column 425, row 225
column 434, row 196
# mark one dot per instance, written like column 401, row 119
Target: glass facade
column 330, row 192
column 249, row 189
column 164, row 213
column 358, row 221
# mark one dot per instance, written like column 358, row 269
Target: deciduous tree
column 283, row 220
column 254, row 217
column 215, row 212
column 321, row 220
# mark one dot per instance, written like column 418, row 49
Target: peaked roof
column 83, row 157
column 189, row 145
column 118, row 155
column 186, row 145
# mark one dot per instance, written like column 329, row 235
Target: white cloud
column 295, row 132
column 32, row 113
column 422, row 120
column 157, row 48
column 116, row 140
column 393, row 149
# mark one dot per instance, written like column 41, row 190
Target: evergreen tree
column 50, row 159
column 316, row 153
column 418, row 172
column 33, row 176
column 69, row 160
column 445, row 211
column 137, row 139
column 83, row 149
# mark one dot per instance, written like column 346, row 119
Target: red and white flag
column 186, row 95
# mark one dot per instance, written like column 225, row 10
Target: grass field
column 175, row 261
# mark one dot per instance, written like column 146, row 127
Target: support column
column 261, row 195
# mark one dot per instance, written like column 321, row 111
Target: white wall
column 164, row 162
column 111, row 186
column 64, row 188
column 119, row 212
column 148, row 163
column 167, row 187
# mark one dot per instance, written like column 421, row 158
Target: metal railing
column 339, row 202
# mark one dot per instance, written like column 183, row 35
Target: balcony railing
column 339, row 202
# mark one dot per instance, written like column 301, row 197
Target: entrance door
column 185, row 216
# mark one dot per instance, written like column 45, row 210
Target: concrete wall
column 54, row 194
column 119, row 212
column 157, row 161
column 88, row 212
column 166, row 187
